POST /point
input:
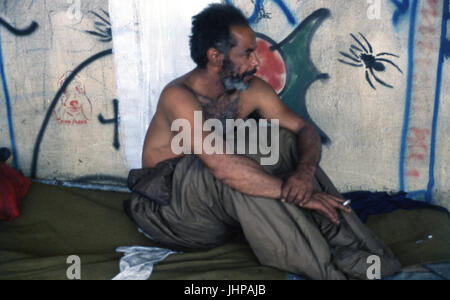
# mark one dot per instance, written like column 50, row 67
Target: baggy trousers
column 204, row 213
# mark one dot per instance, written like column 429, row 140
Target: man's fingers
column 346, row 209
column 334, row 213
column 338, row 204
column 288, row 193
column 337, row 199
column 293, row 192
column 334, row 216
column 284, row 192
column 328, row 212
column 299, row 197
column 306, row 199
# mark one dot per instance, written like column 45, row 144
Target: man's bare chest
column 224, row 108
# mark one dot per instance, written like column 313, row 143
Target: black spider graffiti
column 365, row 58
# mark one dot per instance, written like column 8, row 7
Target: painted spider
column 364, row 57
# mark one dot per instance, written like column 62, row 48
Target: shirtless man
column 223, row 86
column 291, row 221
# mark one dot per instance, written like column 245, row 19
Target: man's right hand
column 327, row 205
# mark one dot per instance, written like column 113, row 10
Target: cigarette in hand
column 347, row 203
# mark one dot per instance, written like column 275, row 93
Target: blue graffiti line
column 446, row 48
column 446, row 43
column 254, row 16
column 418, row 194
column 8, row 109
column 286, row 11
column 259, row 5
column 442, row 55
column 402, row 9
column 412, row 27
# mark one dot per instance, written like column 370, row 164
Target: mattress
column 59, row 222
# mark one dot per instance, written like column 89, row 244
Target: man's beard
column 234, row 82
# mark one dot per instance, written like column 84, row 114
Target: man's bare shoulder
column 259, row 91
column 177, row 96
column 258, row 87
column 175, row 89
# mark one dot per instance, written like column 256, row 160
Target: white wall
column 151, row 48
column 382, row 139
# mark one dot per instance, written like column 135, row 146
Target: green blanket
column 57, row 222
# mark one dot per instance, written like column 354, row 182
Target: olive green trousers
column 204, row 213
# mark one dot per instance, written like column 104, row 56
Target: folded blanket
column 366, row 203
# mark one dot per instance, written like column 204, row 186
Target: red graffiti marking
column 74, row 107
column 421, row 108
column 431, row 10
column 413, row 173
column 417, row 144
column 423, row 61
column 429, row 18
column 272, row 68
column 426, row 45
column 420, row 135
column 417, row 147
column 417, row 156
column 422, row 77
column 430, row 14
column 426, row 30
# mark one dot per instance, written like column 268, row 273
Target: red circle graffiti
column 272, row 68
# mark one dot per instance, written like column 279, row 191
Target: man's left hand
column 298, row 188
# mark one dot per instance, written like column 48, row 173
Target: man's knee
column 284, row 157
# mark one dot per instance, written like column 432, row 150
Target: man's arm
column 238, row 172
column 298, row 188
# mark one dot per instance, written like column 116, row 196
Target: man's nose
column 256, row 62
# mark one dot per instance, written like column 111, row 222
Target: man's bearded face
column 232, row 80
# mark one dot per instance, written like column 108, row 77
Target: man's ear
column 215, row 57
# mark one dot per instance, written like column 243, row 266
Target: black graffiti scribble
column 114, row 121
column 55, row 100
column 102, row 27
column 364, row 57
column 20, row 32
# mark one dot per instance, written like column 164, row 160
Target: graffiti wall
column 58, row 110
column 373, row 77
column 80, row 82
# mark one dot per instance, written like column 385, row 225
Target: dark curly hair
column 211, row 28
